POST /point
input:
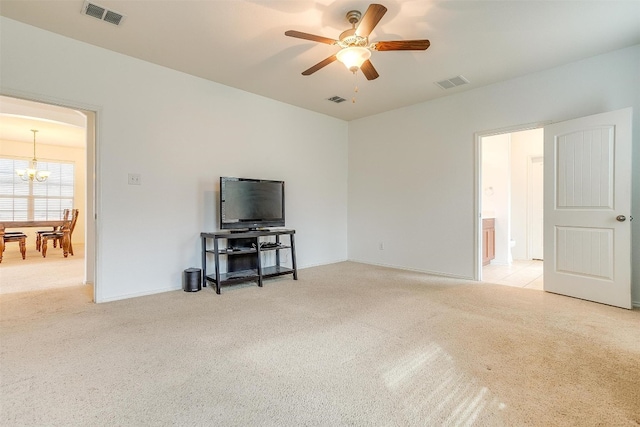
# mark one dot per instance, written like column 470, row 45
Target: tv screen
column 251, row 203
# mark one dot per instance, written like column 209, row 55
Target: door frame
column 477, row 187
column 93, row 114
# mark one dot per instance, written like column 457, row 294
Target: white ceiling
column 241, row 43
column 55, row 125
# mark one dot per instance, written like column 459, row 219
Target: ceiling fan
column 356, row 50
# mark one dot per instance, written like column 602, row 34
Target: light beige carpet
column 38, row 273
column 347, row 344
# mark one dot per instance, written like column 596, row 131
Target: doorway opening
column 510, row 212
column 66, row 136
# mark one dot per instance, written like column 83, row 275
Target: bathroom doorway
column 511, row 208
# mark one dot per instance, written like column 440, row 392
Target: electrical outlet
column 381, row 246
column 134, row 179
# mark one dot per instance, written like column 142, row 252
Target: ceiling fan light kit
column 353, row 57
column 354, row 43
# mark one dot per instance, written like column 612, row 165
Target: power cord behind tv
column 267, row 245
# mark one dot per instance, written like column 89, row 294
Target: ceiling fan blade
column 307, row 36
column 319, row 65
column 370, row 19
column 369, row 71
column 401, row 45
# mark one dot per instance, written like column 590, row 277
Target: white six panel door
column 587, row 208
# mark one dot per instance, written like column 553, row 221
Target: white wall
column 496, row 191
column 411, row 170
column 524, row 146
column 181, row 133
column 55, row 153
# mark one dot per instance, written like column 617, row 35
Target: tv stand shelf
column 243, row 252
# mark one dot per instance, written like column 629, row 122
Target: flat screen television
column 247, row 203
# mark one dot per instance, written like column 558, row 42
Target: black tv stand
column 243, row 261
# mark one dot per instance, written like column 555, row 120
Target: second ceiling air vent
column 336, row 99
column 102, row 13
column 452, row 82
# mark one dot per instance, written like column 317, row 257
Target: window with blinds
column 31, row 200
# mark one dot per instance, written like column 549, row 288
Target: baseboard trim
column 136, row 294
column 320, row 264
column 635, row 304
column 417, row 270
column 162, row 290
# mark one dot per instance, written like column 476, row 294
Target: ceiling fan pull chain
column 355, row 89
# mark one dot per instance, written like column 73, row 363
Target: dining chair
column 20, row 238
column 57, row 236
column 39, row 233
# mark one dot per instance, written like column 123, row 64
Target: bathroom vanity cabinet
column 488, row 240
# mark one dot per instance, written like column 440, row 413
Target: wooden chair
column 39, row 233
column 57, row 236
column 20, row 238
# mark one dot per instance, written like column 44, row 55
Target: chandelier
column 32, row 173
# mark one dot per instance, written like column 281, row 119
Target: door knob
column 621, row 218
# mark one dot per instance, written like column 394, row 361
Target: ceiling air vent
column 336, row 99
column 102, row 13
column 452, row 82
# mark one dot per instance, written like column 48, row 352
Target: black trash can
column 192, row 280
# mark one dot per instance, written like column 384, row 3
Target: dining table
column 64, row 225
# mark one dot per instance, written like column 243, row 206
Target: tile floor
column 522, row 274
